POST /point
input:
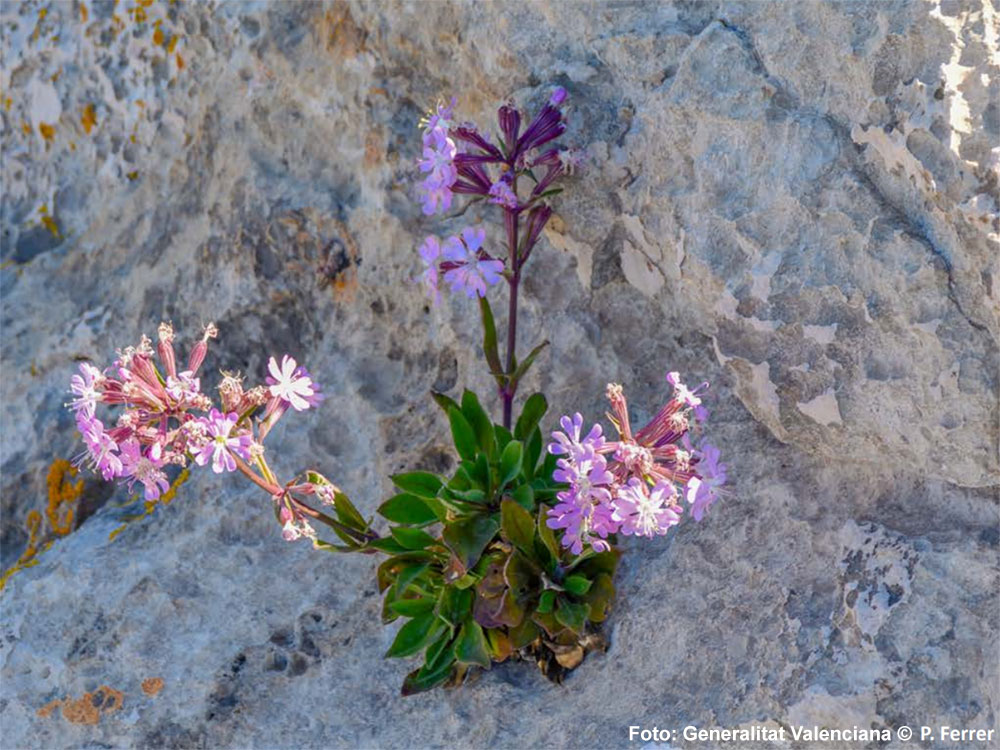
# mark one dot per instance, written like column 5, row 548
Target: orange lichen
column 46, row 711
column 180, row 62
column 62, row 494
column 90, row 707
column 158, row 37
column 7, row 102
column 47, row 131
column 152, row 686
column 89, row 118
column 25, row 127
column 83, row 13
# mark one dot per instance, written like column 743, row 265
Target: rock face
column 796, row 201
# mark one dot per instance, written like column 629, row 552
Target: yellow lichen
column 48, row 131
column 172, row 44
column 150, row 505
column 63, row 493
column 158, row 36
column 83, row 13
column 89, row 118
column 33, row 522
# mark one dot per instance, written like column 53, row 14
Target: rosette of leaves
column 473, row 567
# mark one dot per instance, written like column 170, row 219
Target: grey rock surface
column 796, row 201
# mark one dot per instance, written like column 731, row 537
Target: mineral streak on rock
column 796, row 201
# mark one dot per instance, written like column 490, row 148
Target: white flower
column 288, row 384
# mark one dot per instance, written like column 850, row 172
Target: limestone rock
column 795, row 201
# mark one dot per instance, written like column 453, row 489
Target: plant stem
column 507, row 394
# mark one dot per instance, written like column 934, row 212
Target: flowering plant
column 511, row 556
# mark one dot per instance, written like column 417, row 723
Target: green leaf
column 481, row 423
column 599, row 597
column 490, row 339
column 578, row 585
column 438, row 653
column 525, row 497
column 510, row 462
column 419, row 483
column 408, row 575
column 572, row 615
column 503, row 436
column 522, row 368
column 546, row 601
column 420, row 680
column 546, row 534
column 455, row 605
column 523, row 634
column 532, row 451
column 531, row 413
column 347, row 513
column 517, row 526
column 470, row 646
column 480, row 473
column 521, row 576
column 463, row 435
column 412, row 607
column 388, row 545
column 407, row 508
column 411, row 538
column 468, row 538
column 445, row 402
column 414, row 635
column 602, row 562
column 390, row 569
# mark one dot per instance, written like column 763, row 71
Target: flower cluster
column 633, row 485
column 459, row 159
column 165, row 419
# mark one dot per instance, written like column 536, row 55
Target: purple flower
column 703, row 488
column 502, row 194
column 102, row 450
column 430, row 251
column 290, row 383
column 584, row 511
column 439, row 161
column 294, row 526
column 439, row 121
column 558, row 96
column 84, row 386
column 646, row 512
column 437, row 198
column 569, row 442
column 144, row 468
column 467, row 271
column 221, row 444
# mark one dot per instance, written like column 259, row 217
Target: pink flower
column 221, row 444
column 289, row 384
column 646, row 512
column 102, row 450
column 85, row 386
column 144, row 468
column 294, row 526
